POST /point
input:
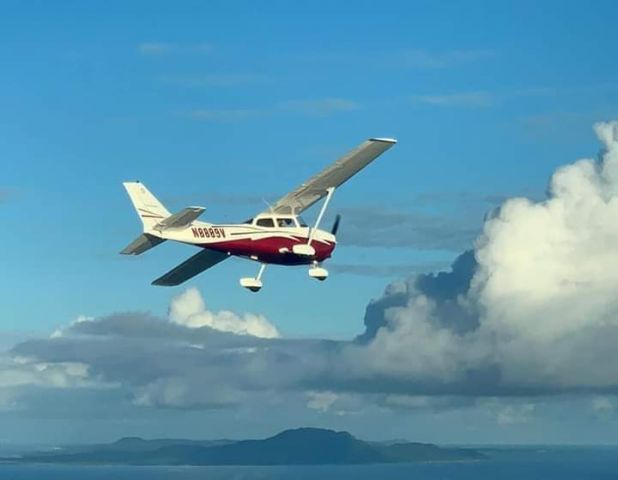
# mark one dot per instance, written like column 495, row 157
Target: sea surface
column 522, row 464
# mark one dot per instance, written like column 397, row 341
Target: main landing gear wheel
column 318, row 272
column 253, row 284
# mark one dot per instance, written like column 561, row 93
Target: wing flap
column 191, row 267
column 333, row 176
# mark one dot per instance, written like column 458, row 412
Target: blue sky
column 222, row 104
column 87, row 104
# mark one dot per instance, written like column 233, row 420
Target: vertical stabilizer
column 149, row 209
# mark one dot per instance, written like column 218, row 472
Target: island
column 302, row 446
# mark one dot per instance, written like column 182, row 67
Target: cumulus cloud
column 189, row 309
column 538, row 314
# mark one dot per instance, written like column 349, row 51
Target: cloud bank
column 530, row 311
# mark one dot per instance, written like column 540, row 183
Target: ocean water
column 543, row 464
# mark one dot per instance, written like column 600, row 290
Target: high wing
column 191, row 267
column 335, row 175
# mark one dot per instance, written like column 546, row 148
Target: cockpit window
column 249, row 222
column 265, row 222
column 301, row 222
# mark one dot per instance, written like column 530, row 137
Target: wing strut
column 306, row 248
column 329, row 195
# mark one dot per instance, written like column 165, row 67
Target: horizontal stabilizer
column 180, row 219
column 141, row 244
column 191, row 267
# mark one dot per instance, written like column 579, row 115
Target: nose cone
column 325, row 245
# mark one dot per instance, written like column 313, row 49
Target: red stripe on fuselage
column 267, row 250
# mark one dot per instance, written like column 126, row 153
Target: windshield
column 301, row 221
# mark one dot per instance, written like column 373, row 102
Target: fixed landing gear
column 318, row 272
column 253, row 284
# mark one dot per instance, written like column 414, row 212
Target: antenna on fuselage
column 271, row 209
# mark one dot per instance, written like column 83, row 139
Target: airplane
column 276, row 236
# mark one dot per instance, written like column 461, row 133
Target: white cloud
column 514, row 414
column 166, row 48
column 154, row 48
column 23, row 371
column 217, row 80
column 189, row 309
column 541, row 301
column 178, row 393
column 225, row 115
column 409, row 401
column 603, row 405
column 59, row 332
column 317, row 107
column 478, row 99
column 321, row 401
column 320, row 107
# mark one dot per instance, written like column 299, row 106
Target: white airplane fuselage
column 272, row 245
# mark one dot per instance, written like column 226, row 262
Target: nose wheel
column 253, row 284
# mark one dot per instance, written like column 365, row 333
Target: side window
column 265, row 222
column 285, row 222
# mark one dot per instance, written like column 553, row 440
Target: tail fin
column 151, row 212
column 149, row 209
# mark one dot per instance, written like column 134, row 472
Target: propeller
column 335, row 226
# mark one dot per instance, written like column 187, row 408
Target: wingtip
column 382, row 139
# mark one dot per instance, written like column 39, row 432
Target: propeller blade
column 335, row 226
